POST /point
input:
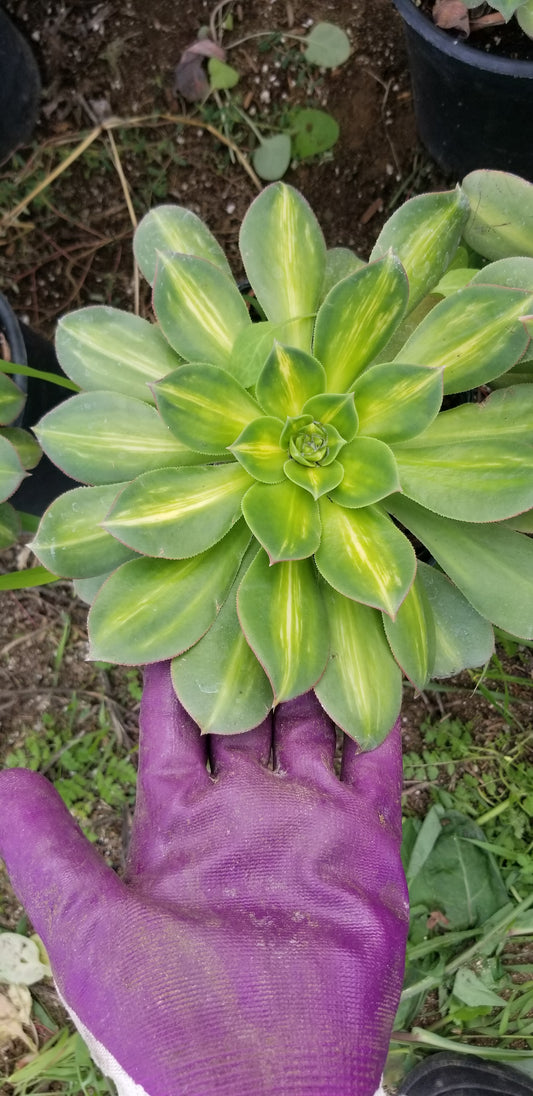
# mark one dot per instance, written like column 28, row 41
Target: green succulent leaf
column 412, row 635
column 500, row 221
column 475, row 462
column 287, row 276
column 317, row 479
column 334, row 410
column 491, row 564
column 11, row 470
column 153, row 609
column 103, row 437
column 398, row 401
column 364, row 556
column 11, row 399
column 9, row 526
column 515, row 273
column 473, row 336
column 357, row 319
column 204, row 407
column 29, row 452
column 282, row 615
column 219, row 680
column 87, row 588
column 361, row 688
column 462, row 637
column 104, row 348
column 259, row 451
column 288, row 379
column 70, row 540
column 524, row 17
column 171, row 228
column 424, row 233
column 175, row 513
column 252, row 348
column 199, row 308
column 340, row 263
column 284, row 519
column 522, row 522
column 370, row 473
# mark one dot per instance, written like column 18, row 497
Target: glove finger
column 172, row 765
column 229, row 750
column 56, row 873
column 376, row 776
column 304, row 740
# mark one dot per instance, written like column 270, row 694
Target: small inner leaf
column 288, row 379
column 284, row 519
column 318, row 479
column 258, row 449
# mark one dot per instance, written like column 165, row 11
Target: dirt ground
column 71, row 247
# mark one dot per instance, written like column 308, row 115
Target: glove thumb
column 56, row 873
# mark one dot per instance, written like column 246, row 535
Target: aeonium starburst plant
column 258, row 492
column 19, row 452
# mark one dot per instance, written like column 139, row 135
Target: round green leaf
column 199, row 308
column 173, row 228
column 258, row 449
column 204, row 407
column 221, row 75
column 288, row 378
column 370, row 473
column 282, row 615
column 313, row 132
column 397, row 401
column 284, row 519
column 272, row 157
column 153, row 609
column 104, row 348
column 283, row 252
column 357, row 319
column 327, row 45
column 219, row 680
column 361, row 688
column 70, row 539
column 364, row 556
column 178, row 512
column 103, row 437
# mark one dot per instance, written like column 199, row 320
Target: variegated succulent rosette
column 259, row 491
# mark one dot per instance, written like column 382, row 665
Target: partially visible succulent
column 471, row 15
column 260, row 491
column 18, row 453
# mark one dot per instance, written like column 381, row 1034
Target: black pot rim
column 454, row 47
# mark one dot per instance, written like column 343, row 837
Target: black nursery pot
column 473, row 109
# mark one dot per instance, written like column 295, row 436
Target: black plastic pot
column 26, row 347
column 20, row 88
column 473, row 109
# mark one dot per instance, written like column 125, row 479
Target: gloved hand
column 256, row 945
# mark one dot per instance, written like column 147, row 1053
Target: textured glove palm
column 256, row 945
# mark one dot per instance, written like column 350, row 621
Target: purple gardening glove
column 257, row 944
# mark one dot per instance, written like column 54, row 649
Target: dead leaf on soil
column 435, row 918
column 452, row 15
column 15, row 1015
column 190, row 79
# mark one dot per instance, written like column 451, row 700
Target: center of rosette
column 310, row 444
